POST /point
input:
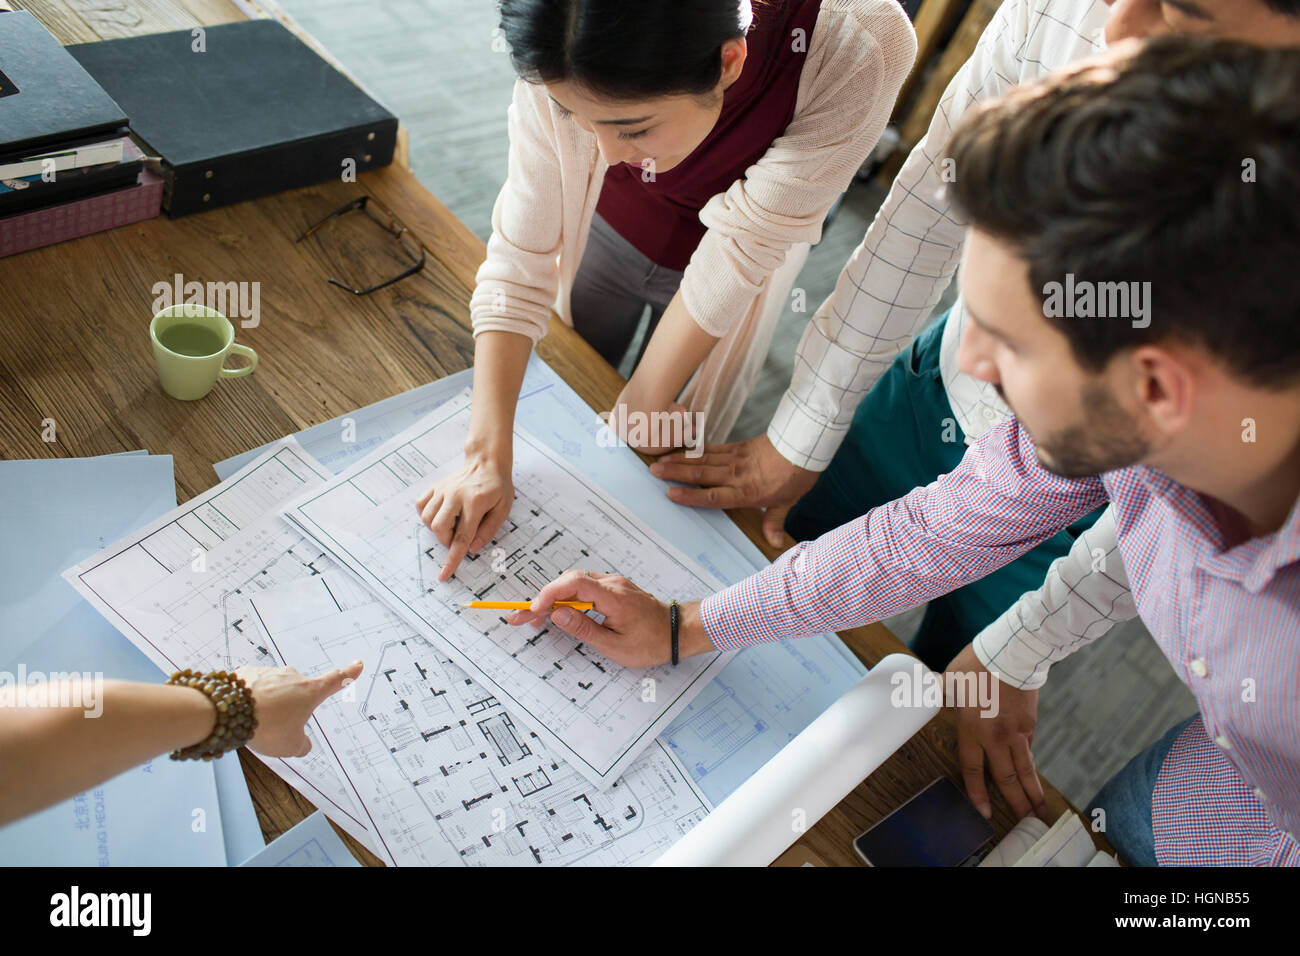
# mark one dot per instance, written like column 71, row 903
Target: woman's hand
column 467, row 508
column 284, row 701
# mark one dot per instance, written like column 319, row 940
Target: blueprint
column 554, row 413
column 774, row 690
column 179, row 589
column 443, row 773
column 595, row 714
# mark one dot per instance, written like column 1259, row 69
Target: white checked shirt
column 890, row 286
column 1086, row 593
column 898, row 273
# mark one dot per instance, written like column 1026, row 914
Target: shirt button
column 1199, row 668
column 1223, row 742
column 988, row 413
column 1258, row 793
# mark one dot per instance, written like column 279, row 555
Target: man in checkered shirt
column 1130, row 290
column 886, row 420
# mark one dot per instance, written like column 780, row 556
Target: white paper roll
column 813, row 772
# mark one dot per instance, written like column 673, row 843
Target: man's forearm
column 691, row 637
column 995, row 506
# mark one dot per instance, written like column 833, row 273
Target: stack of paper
column 467, row 741
column 764, row 697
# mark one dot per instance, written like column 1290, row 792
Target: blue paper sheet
column 765, row 696
column 312, row 842
column 240, row 830
column 53, row 513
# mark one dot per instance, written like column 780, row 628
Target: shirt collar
column 1254, row 562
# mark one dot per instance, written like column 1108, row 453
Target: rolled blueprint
column 813, row 772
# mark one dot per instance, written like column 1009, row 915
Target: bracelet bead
column 232, row 701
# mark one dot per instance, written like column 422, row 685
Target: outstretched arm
column 60, row 738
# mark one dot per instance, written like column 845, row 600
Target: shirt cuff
column 1003, row 648
column 734, row 618
column 804, row 439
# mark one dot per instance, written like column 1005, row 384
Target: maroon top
column 662, row 218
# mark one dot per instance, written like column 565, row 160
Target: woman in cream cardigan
column 676, row 153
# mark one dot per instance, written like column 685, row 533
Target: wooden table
column 75, row 348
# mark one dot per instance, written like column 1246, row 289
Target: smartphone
column 937, row 827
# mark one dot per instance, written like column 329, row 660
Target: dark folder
column 255, row 112
column 46, row 97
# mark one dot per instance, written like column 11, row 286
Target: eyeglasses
column 409, row 244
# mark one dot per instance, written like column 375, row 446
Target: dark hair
column 624, row 49
column 1289, row 7
column 1145, row 174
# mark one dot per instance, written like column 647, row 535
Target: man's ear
column 1165, row 383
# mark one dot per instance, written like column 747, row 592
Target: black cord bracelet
column 673, row 620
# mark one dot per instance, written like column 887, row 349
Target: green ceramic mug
column 190, row 345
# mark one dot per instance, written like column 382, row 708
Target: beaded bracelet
column 236, row 718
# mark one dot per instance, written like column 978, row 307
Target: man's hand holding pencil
column 636, row 630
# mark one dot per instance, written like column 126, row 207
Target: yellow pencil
column 523, row 605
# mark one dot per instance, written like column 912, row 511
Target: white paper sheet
column 595, row 714
column 311, row 843
column 765, row 696
column 178, row 589
column 444, row 774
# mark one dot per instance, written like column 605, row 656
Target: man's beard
column 1080, row 451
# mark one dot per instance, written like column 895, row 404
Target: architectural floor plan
column 596, row 715
column 423, row 760
column 179, row 590
column 443, row 773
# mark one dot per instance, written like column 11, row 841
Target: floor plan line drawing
column 439, row 767
column 815, row 670
column 115, row 574
column 597, row 715
column 191, row 608
column 217, row 618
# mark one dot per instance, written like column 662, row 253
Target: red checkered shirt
column 1229, row 621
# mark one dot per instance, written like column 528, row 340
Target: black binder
column 46, row 97
column 255, row 112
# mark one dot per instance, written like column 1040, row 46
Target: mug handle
column 245, row 351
